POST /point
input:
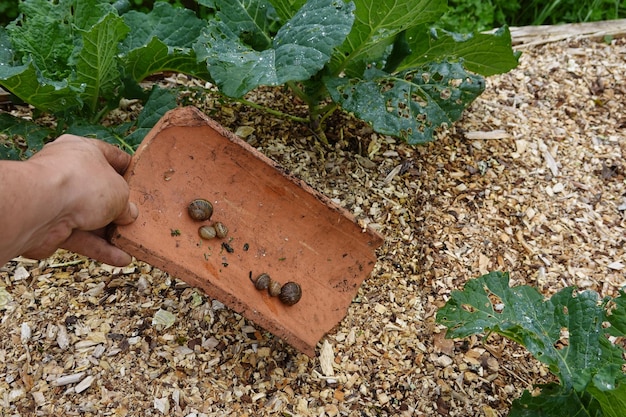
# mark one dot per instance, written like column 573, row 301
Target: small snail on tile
column 291, row 293
column 262, row 282
column 200, row 209
column 207, row 232
column 220, row 230
column 274, row 288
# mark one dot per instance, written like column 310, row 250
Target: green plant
column 8, row 11
column 478, row 15
column 470, row 15
column 578, row 337
column 377, row 59
column 553, row 12
column 76, row 59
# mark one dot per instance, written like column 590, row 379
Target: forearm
column 33, row 206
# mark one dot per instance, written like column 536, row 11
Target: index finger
column 118, row 159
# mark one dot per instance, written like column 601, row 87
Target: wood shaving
column 544, row 200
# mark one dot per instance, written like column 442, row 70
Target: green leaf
column 87, row 13
column 376, row 25
column 299, row 50
column 6, row 49
column 174, row 27
column 485, row 54
column 157, row 57
column 160, row 102
column 97, row 73
column 255, row 21
column 399, row 51
column 287, row 8
column 585, row 356
column 32, row 134
column 160, row 41
column 67, row 51
column 36, row 34
column 410, row 104
column 27, row 83
column 555, row 401
column 617, row 316
column 613, row 402
column 81, row 127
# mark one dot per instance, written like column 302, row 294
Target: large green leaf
column 376, row 25
column 586, row 356
column 299, row 50
column 97, row 72
column 255, row 21
column 158, row 57
column 162, row 40
column 410, row 104
column 485, row 54
column 175, row 27
column 161, row 100
column 287, row 8
column 27, row 83
column 35, row 64
column 36, row 34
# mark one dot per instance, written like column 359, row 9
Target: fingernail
column 134, row 210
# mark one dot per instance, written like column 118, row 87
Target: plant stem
column 299, row 92
column 326, row 111
column 125, row 145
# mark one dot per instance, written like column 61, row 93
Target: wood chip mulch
column 532, row 180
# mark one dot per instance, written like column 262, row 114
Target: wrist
column 49, row 213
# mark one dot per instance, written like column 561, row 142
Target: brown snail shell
column 275, row 288
column 200, row 209
column 207, row 232
column 290, row 293
column 220, row 230
column 262, row 282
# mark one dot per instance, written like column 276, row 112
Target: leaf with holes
column 410, row 104
column 569, row 333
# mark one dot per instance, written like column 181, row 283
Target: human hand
column 92, row 194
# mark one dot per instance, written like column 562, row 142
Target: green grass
column 468, row 15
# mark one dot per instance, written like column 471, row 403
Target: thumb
column 129, row 215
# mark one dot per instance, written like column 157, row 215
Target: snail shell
column 200, row 209
column 207, row 232
column 262, row 282
column 275, row 288
column 290, row 293
column 220, row 230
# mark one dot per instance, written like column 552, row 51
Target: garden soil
column 531, row 181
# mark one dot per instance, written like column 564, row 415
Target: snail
column 207, row 232
column 274, row 288
column 200, row 209
column 290, row 293
column 220, row 230
column 262, row 282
